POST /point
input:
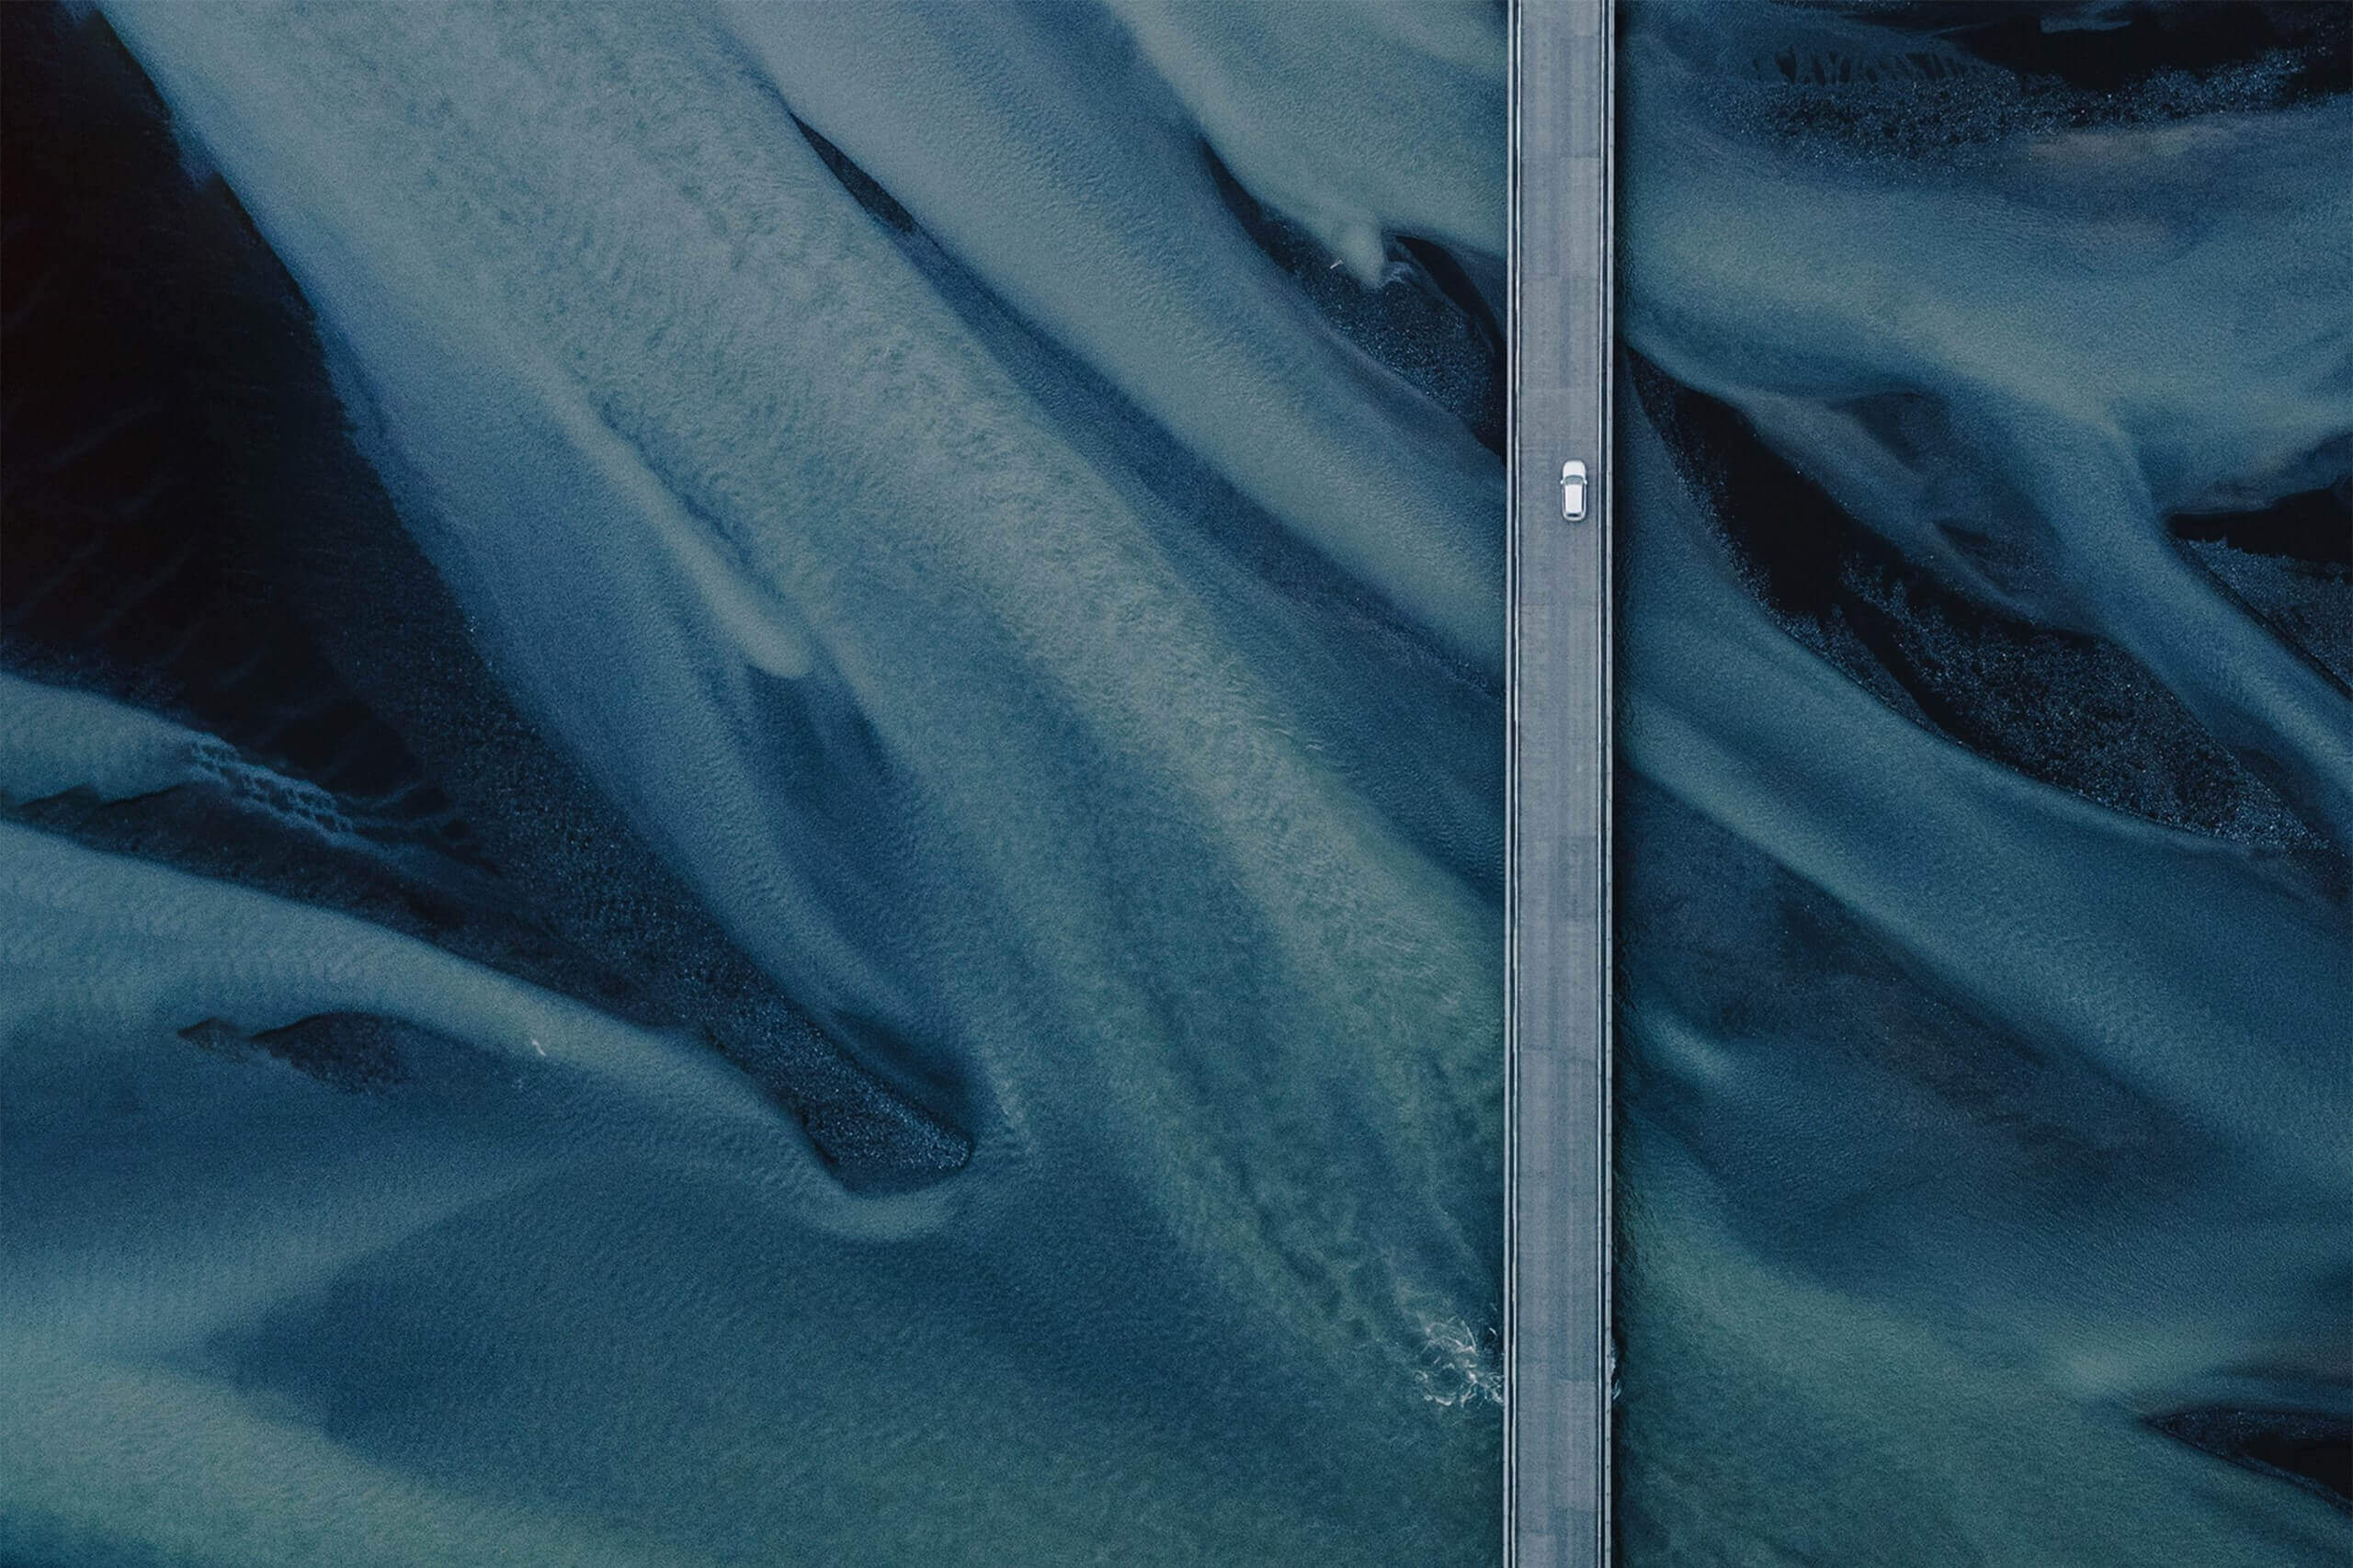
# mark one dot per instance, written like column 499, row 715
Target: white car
column 1573, row 490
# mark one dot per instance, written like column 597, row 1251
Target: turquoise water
column 941, row 569
column 1986, row 966
column 773, row 831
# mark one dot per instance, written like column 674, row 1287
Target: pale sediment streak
column 1973, row 1126
column 1167, row 878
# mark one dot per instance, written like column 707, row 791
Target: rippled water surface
column 1985, row 419
column 753, row 778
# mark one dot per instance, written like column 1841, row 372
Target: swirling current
column 753, row 760
column 1986, row 1129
